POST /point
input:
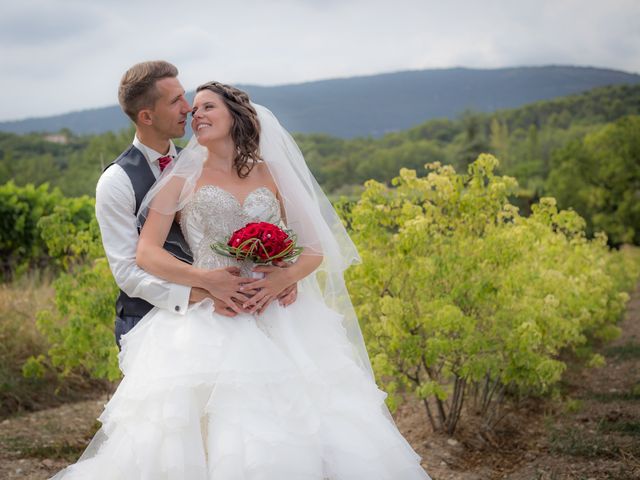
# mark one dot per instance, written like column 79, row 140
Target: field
column 591, row 431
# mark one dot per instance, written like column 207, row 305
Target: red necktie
column 164, row 161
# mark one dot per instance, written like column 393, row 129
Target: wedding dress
column 271, row 397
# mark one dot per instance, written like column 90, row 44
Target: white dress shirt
column 115, row 211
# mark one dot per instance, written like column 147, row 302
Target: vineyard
column 477, row 298
column 463, row 301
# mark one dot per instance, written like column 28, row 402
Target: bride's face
column 212, row 120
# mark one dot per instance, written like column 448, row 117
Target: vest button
column 177, row 308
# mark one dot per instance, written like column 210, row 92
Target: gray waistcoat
column 135, row 165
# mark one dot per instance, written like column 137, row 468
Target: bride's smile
column 211, row 120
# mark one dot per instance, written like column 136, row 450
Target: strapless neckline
column 240, row 203
column 213, row 213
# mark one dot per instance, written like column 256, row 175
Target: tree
column 600, row 178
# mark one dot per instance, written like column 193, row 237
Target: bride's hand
column 277, row 280
column 287, row 296
column 225, row 284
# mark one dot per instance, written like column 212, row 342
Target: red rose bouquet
column 260, row 242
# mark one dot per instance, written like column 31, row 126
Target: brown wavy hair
column 245, row 130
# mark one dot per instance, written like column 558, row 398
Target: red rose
column 260, row 241
column 251, row 230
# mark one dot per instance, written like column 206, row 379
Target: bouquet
column 260, row 242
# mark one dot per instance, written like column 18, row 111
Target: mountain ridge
column 372, row 105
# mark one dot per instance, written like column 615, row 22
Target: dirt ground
column 591, row 433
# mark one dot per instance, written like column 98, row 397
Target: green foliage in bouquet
column 463, row 301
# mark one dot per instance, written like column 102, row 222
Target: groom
column 151, row 95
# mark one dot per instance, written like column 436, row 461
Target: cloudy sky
column 63, row 55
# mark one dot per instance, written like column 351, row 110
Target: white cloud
column 62, row 55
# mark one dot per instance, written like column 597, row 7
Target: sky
column 65, row 55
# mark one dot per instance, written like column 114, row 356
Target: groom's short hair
column 138, row 86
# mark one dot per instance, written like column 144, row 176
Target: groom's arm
column 115, row 212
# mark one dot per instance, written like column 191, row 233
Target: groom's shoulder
column 113, row 176
column 128, row 152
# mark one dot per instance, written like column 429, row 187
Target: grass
column 630, row 396
column 631, row 428
column 604, row 443
column 20, row 301
column 19, row 338
column 581, row 442
column 621, row 473
column 26, row 449
column 628, row 351
column 578, row 443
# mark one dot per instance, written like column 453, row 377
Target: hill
column 377, row 104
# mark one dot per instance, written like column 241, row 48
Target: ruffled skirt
column 273, row 397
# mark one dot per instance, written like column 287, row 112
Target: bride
column 276, row 392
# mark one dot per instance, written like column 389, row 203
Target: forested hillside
column 72, row 163
column 523, row 139
column 553, row 148
column 377, row 104
column 545, row 145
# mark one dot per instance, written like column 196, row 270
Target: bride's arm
column 223, row 283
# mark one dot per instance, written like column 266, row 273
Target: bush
column 79, row 328
column 21, row 246
column 36, row 224
column 462, row 299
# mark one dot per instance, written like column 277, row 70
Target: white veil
column 319, row 229
column 307, row 210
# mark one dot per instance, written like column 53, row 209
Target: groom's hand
column 224, row 284
column 220, row 307
column 198, row 294
column 288, row 295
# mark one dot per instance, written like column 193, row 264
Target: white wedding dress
column 270, row 397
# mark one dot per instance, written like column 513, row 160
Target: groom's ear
column 144, row 117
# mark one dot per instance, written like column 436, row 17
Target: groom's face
column 169, row 114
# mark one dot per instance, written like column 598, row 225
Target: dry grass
column 20, row 301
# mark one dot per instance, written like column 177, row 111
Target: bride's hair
column 245, row 130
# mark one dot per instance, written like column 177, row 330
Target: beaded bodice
column 213, row 214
